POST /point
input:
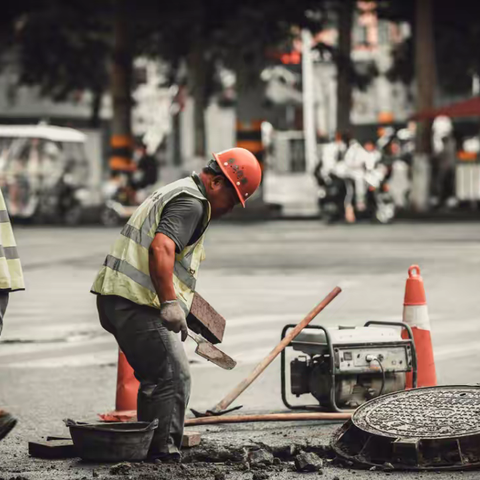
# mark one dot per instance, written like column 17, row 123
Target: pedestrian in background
column 11, row 280
column 147, row 283
column 146, row 173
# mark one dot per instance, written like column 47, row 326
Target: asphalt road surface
column 57, row 362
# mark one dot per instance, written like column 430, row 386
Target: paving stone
column 308, row 462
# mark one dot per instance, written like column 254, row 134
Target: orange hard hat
column 242, row 169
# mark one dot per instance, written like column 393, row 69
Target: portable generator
column 343, row 367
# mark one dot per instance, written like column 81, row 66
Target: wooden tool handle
column 244, row 384
column 271, row 417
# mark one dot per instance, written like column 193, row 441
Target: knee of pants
column 180, row 382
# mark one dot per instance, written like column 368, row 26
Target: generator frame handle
column 285, row 401
column 333, row 402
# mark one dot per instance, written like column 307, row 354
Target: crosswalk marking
column 248, row 339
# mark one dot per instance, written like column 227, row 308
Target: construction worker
column 11, row 280
column 146, row 285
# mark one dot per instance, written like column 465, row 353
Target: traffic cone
column 415, row 315
column 127, row 390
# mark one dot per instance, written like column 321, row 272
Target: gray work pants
column 160, row 364
column 3, row 306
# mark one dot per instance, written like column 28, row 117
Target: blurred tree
column 457, row 35
column 445, row 53
column 64, row 48
column 420, row 15
column 68, row 48
column 11, row 19
column 343, row 59
column 213, row 34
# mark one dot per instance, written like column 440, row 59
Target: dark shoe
column 7, row 422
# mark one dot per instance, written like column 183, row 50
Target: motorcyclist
column 346, row 159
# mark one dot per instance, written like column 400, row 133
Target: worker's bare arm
column 161, row 259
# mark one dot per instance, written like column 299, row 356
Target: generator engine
column 342, row 367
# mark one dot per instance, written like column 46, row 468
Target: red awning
column 465, row 108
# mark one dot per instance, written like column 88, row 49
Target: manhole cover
column 425, row 428
column 426, row 412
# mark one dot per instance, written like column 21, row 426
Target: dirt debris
column 123, row 468
column 308, row 462
column 260, row 476
column 213, row 453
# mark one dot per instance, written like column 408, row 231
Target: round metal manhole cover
column 432, row 412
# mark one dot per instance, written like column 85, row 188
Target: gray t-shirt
column 182, row 221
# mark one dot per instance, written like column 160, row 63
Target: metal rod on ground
column 270, row 417
column 244, row 384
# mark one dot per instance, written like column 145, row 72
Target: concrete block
column 191, row 439
column 52, row 449
column 205, row 320
column 308, row 462
column 259, row 458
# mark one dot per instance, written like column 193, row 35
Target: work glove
column 173, row 318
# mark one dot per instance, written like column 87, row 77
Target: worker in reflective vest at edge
column 11, row 280
column 146, row 285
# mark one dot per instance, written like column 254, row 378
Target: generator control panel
column 368, row 358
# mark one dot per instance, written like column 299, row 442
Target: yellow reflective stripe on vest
column 143, row 236
column 126, row 270
column 143, row 279
column 10, row 253
column 130, row 271
column 4, row 218
column 184, row 275
column 2, row 202
column 136, row 235
column 181, row 268
column 11, row 275
column 151, row 220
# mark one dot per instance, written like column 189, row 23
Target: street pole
column 309, row 130
column 343, row 63
column 426, row 81
column 121, row 140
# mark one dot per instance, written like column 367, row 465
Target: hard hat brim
column 224, row 170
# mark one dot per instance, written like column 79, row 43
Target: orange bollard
column 415, row 315
column 126, row 396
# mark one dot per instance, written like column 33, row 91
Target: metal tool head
column 211, row 353
column 214, row 413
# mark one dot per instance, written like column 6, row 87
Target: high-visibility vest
column 126, row 272
column 11, row 275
